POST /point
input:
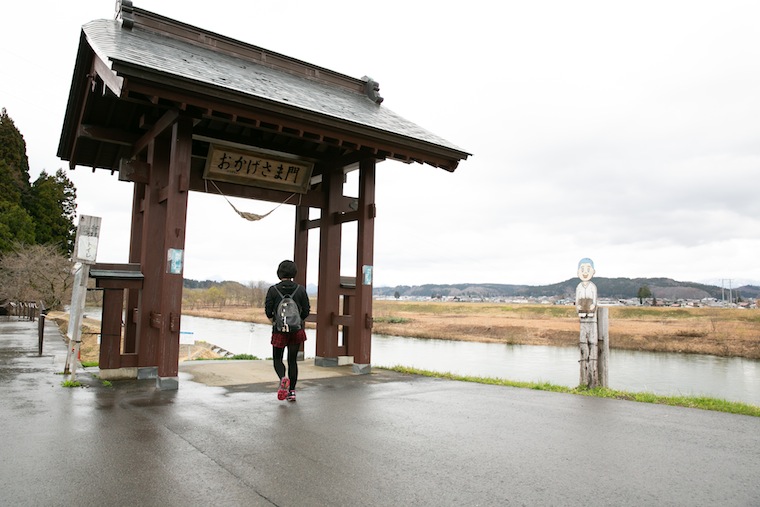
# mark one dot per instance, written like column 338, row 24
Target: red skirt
column 282, row 340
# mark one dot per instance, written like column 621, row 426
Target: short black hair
column 287, row 269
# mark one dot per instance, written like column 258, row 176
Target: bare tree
column 36, row 273
column 257, row 292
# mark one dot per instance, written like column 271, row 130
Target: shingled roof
column 131, row 69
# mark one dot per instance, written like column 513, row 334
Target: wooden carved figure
column 585, row 305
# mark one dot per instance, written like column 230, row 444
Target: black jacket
column 298, row 292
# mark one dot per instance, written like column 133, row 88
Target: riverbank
column 483, row 362
column 715, row 331
column 721, row 332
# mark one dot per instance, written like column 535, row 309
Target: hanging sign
column 278, row 171
column 86, row 242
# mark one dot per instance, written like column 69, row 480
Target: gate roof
column 132, row 70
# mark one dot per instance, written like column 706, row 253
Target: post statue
column 585, row 305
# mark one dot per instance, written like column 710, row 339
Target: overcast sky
column 628, row 132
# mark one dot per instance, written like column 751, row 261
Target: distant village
column 556, row 300
column 662, row 292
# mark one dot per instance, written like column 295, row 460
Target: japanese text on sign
column 86, row 241
column 258, row 169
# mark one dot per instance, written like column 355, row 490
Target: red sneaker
column 282, row 392
column 291, row 396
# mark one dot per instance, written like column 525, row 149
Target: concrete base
column 167, row 383
column 326, row 361
column 344, row 360
column 362, row 369
column 147, row 372
column 118, row 373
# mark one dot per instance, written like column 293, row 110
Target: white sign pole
column 85, row 253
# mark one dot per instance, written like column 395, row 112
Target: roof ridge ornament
column 372, row 88
column 124, row 10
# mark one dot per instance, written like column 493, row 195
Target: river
column 734, row 379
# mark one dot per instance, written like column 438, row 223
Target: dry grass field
column 716, row 331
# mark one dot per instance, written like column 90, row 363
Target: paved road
column 379, row 439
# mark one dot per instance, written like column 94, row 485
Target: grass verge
column 236, row 357
column 704, row 403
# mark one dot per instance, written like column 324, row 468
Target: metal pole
column 40, row 330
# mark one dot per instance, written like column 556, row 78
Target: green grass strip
column 236, row 357
column 700, row 402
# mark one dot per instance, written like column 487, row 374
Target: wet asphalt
column 350, row 440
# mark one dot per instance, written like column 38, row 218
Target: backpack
column 287, row 316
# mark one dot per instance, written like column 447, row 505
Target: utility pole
column 723, row 291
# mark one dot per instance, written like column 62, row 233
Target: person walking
column 287, row 325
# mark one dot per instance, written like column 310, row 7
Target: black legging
column 279, row 366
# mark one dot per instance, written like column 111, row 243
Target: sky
column 627, row 132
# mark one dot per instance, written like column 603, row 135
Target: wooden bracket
column 134, row 170
column 174, row 322
column 156, row 320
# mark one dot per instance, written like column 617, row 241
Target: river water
column 734, row 379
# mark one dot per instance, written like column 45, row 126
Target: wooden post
column 301, row 252
column 170, row 305
column 328, row 297
column 603, row 331
column 362, row 308
column 135, row 247
column 152, row 259
column 589, row 346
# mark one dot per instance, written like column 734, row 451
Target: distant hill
column 615, row 288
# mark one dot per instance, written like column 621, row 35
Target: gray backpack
column 287, row 317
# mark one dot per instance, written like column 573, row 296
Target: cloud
column 623, row 132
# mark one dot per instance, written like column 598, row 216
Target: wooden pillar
column 301, row 251
column 135, row 247
column 361, row 334
column 152, row 258
column 301, row 243
column 328, row 298
column 170, row 305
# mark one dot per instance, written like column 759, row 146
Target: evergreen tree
column 53, row 208
column 14, row 169
column 36, row 226
column 41, row 214
column 16, row 226
column 643, row 293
